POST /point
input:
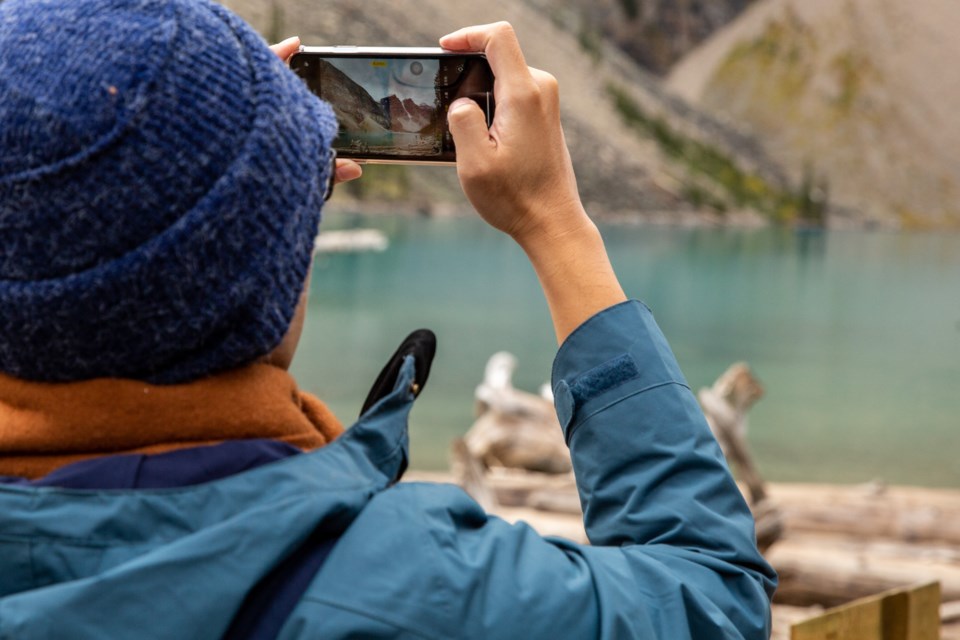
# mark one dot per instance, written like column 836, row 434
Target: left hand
column 347, row 170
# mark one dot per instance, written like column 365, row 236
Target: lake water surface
column 855, row 335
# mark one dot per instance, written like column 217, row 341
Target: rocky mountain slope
column 655, row 33
column 638, row 151
column 355, row 106
column 860, row 93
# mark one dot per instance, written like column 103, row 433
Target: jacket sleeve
column 674, row 551
column 673, row 554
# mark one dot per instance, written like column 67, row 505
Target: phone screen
column 394, row 108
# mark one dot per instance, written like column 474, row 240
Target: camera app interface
column 396, row 107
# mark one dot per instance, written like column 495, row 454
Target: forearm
column 574, row 272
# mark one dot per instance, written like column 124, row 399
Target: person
column 162, row 176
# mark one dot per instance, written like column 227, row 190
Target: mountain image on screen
column 390, row 125
column 407, row 115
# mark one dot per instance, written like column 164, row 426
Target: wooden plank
column 924, row 612
column 860, row 620
column 902, row 614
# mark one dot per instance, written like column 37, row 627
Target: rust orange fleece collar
column 44, row 426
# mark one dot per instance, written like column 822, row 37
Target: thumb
column 468, row 126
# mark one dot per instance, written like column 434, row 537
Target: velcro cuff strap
column 591, row 383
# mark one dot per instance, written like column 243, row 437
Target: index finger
column 499, row 42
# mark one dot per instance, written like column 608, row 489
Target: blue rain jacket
column 673, row 553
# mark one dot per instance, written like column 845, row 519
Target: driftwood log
column 515, row 429
column 830, row 571
column 725, row 406
column 873, row 511
column 847, row 542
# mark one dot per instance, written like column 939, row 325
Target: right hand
column 519, row 177
column 517, row 174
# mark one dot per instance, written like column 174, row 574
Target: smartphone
column 391, row 102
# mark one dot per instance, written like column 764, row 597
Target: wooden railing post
column 912, row 613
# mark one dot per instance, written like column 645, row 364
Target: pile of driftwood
column 830, row 544
column 519, row 430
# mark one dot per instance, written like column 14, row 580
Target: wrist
column 552, row 231
column 574, row 271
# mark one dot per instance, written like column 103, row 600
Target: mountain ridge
column 849, row 90
column 654, row 33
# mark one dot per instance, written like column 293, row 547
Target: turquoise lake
column 854, row 335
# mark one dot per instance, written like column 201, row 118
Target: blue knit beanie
column 161, row 179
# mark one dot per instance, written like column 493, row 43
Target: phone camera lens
column 416, row 68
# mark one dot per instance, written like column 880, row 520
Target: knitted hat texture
column 161, row 179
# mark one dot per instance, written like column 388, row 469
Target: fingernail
column 452, row 33
column 291, row 40
column 460, row 103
